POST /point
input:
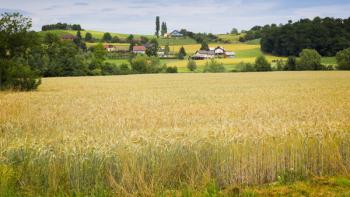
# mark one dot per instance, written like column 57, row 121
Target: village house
column 213, row 53
column 114, row 48
column 174, row 33
column 68, row 37
column 139, row 49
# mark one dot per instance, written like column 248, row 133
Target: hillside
column 99, row 35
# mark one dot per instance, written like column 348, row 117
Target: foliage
column 164, row 29
column 200, row 37
column 261, row 64
column 213, row 66
column 145, row 64
column 88, row 37
column 107, row 37
column 191, row 65
column 204, row 46
column 171, row 69
column 245, row 67
column 182, row 53
column 61, row 26
column 291, row 63
column 309, row 60
column 343, row 59
column 327, row 36
column 16, row 42
column 234, row 31
column 166, row 49
column 157, row 26
column 152, row 47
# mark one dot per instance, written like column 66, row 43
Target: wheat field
column 148, row 135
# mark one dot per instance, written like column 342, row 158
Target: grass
column 231, row 38
column 144, row 135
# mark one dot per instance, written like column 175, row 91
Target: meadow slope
column 158, row 134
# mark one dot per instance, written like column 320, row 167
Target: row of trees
column 163, row 28
column 61, row 26
column 327, row 36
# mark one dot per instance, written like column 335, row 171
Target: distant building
column 139, row 49
column 212, row 53
column 114, row 48
column 176, row 33
column 68, row 37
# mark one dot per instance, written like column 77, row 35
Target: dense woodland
column 327, row 36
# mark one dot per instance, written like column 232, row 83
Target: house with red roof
column 139, row 49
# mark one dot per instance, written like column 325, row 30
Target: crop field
column 173, row 135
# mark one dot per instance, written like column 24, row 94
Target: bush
column 192, row 65
column 343, row 59
column 310, row 59
column 124, row 69
column 291, row 63
column 18, row 77
column 145, row 64
column 214, row 66
column 261, row 64
column 171, row 69
column 245, row 67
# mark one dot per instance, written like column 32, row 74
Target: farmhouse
column 139, row 49
column 212, row 53
column 174, row 33
column 114, row 48
column 68, row 37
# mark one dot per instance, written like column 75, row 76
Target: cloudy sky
column 138, row 16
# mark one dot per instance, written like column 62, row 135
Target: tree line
column 61, row 26
column 326, row 35
column 25, row 56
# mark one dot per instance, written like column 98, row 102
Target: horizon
column 138, row 17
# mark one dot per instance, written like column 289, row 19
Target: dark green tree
column 343, row 59
column 164, row 29
column 88, row 37
column 157, row 26
column 204, row 46
column 130, row 38
column 16, row 42
column 291, row 63
column 152, row 48
column 261, row 64
column 182, row 53
column 107, row 37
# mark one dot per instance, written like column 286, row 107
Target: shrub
column 145, row 64
column 214, row 66
column 124, row 69
column 192, row 65
column 261, row 64
column 310, row 59
column 343, row 59
column 291, row 63
column 18, row 77
column 245, row 67
column 182, row 53
column 171, row 69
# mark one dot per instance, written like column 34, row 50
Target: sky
column 138, row 16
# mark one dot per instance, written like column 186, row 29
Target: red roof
column 139, row 48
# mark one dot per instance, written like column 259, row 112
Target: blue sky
column 138, row 16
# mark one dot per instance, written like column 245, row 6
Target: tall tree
column 107, row 37
column 88, row 37
column 204, row 46
column 16, row 42
column 164, row 29
column 157, row 26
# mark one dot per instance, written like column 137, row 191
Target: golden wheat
column 142, row 134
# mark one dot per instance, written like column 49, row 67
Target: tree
column 214, row 66
column 261, row 64
column 107, row 37
column 88, row 37
column 310, row 59
column 130, row 38
column 164, row 29
column 191, row 65
column 182, row 53
column 204, row 46
column 145, row 64
column 166, row 49
column 15, row 43
column 291, row 63
column 152, row 48
column 234, row 31
column 79, row 34
column 343, row 59
column 115, row 39
column 157, row 26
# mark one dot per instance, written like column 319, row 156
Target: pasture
column 170, row 134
